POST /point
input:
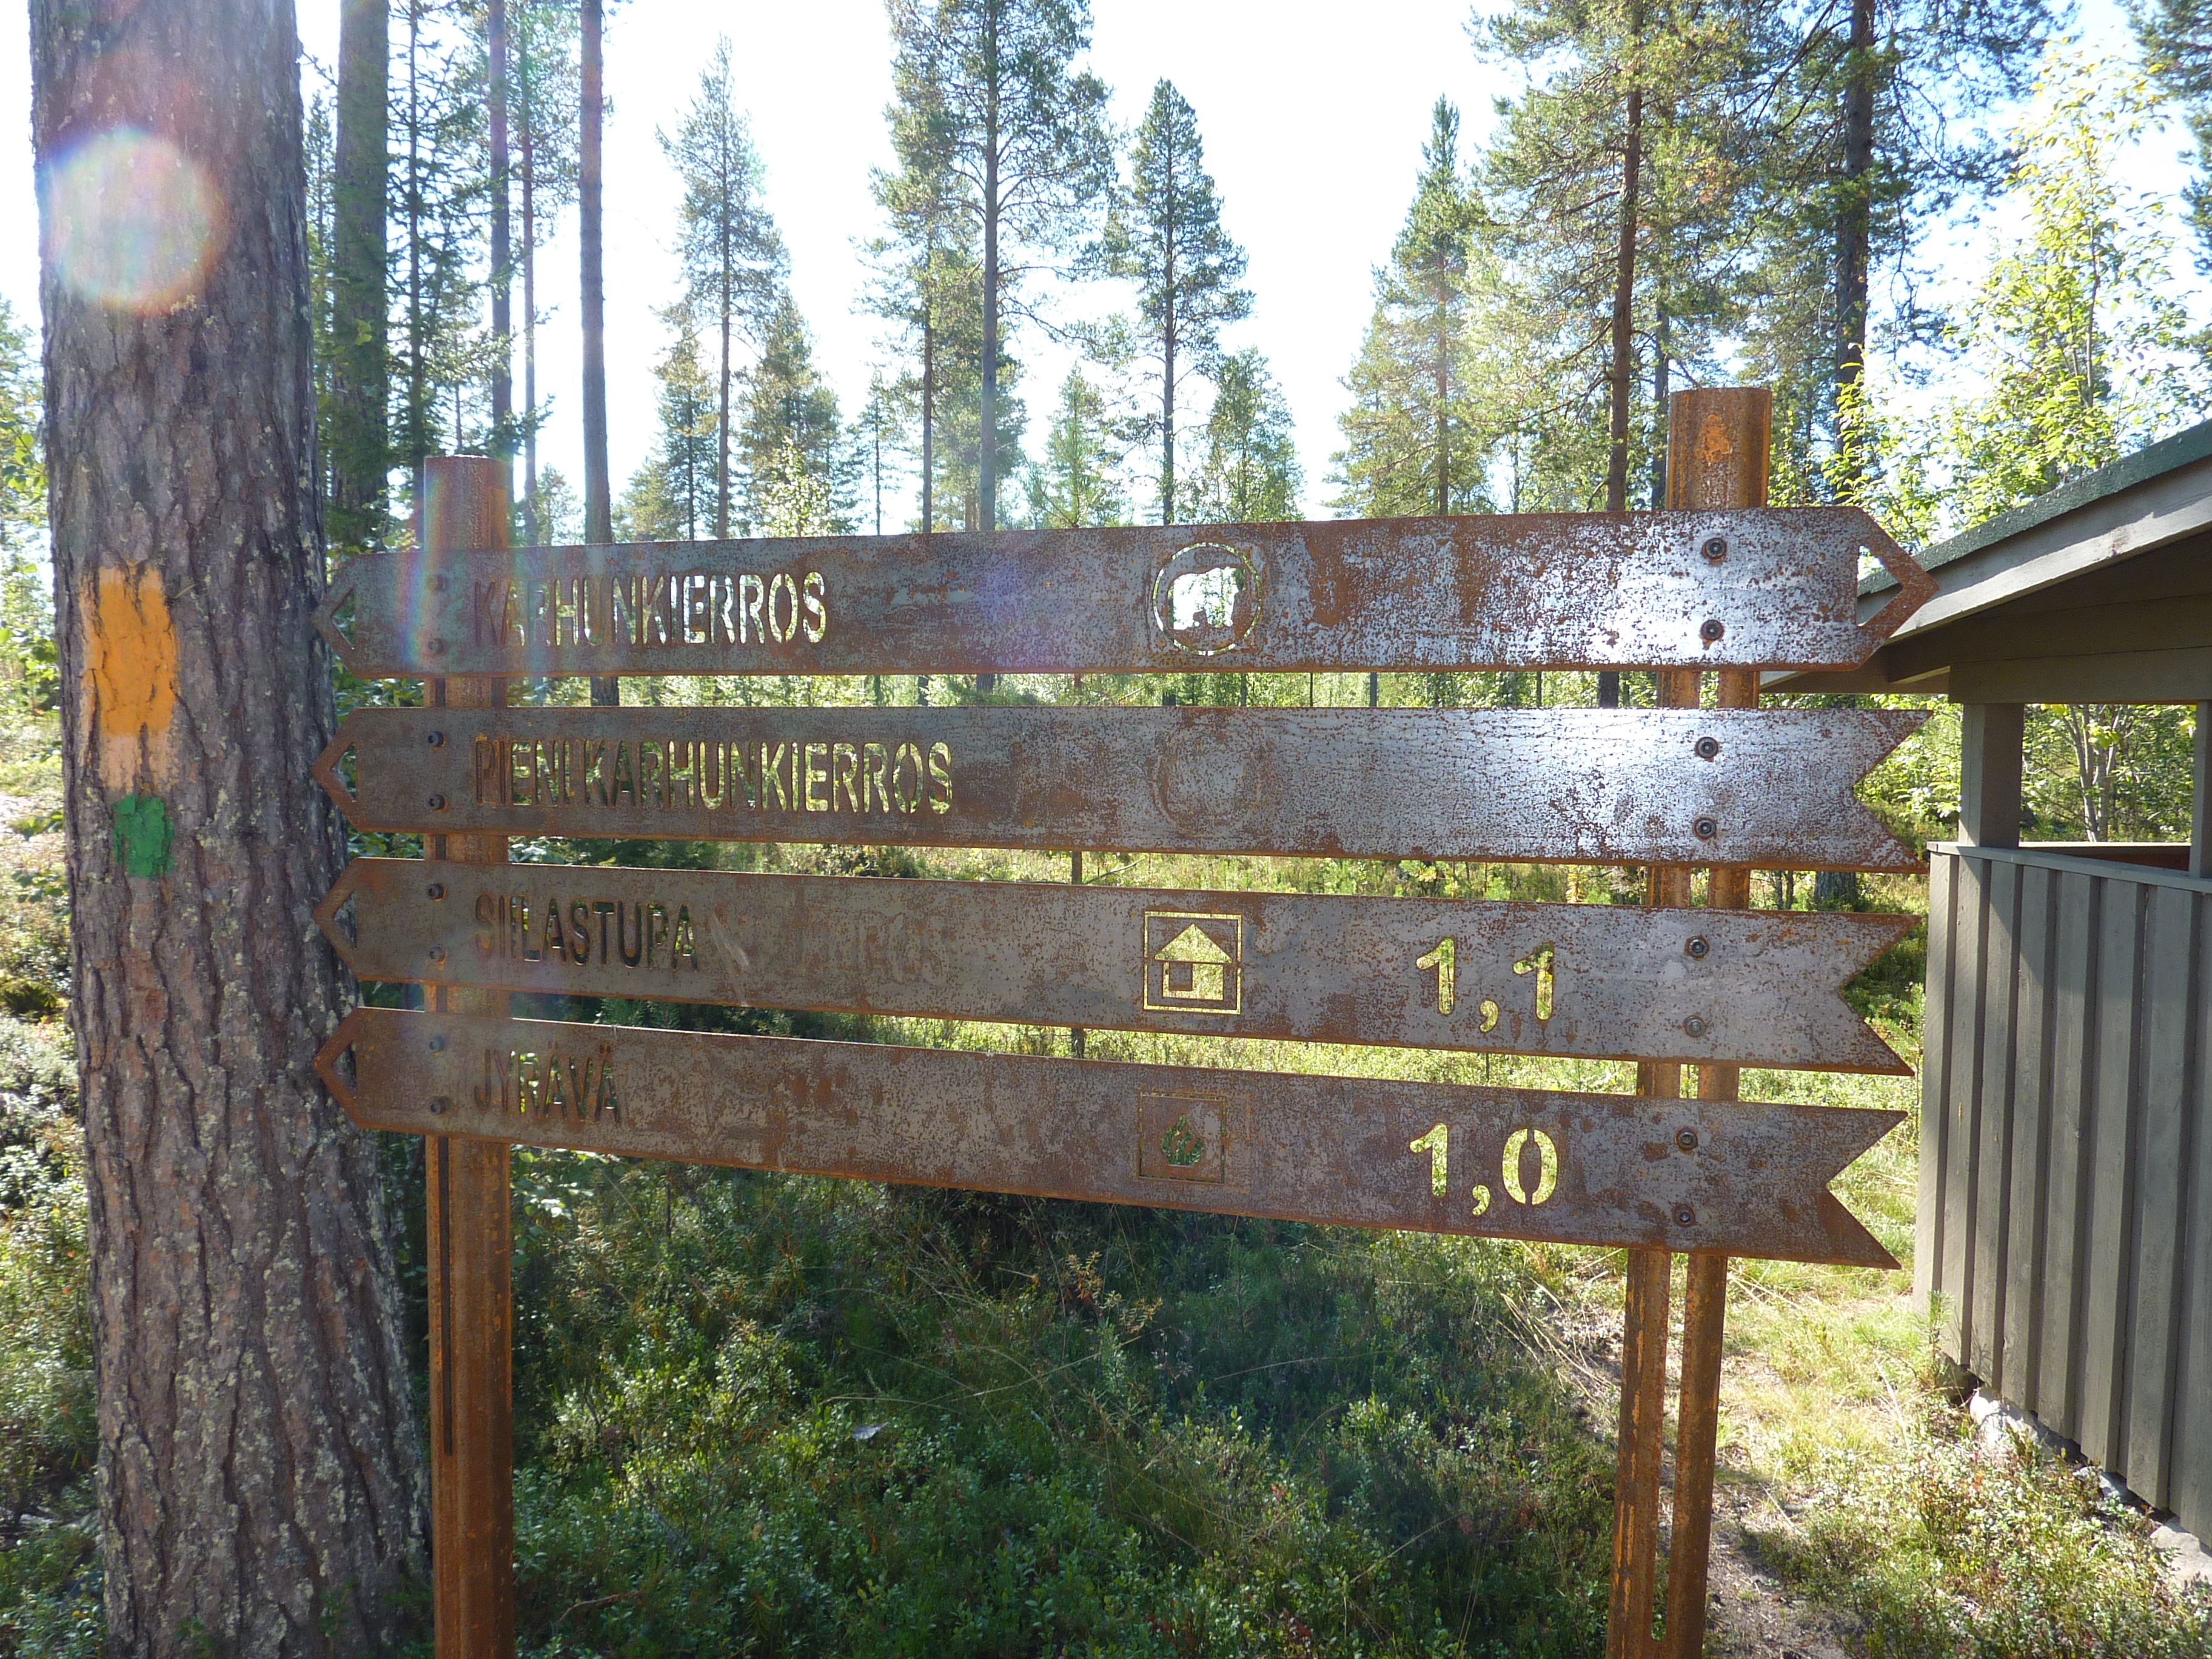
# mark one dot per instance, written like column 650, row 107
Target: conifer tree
column 591, row 288
column 543, row 101
column 1073, row 486
column 688, row 432
column 2177, row 39
column 1164, row 235
column 1615, row 187
column 1410, row 446
column 440, row 361
column 792, row 424
column 1250, row 472
column 355, row 427
column 1023, row 132
column 876, row 436
column 498, row 170
column 1865, row 132
column 732, row 259
column 927, row 263
column 259, row 1490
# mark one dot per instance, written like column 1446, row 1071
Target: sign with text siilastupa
column 1589, row 981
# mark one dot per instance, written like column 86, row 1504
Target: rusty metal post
column 471, row 1296
column 1642, row 1418
column 1718, row 444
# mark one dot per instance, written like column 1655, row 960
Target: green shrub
column 47, row 1424
column 766, row 1415
column 1951, row 1548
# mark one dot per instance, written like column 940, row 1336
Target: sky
column 1313, row 116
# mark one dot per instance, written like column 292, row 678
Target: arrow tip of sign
column 334, row 901
column 326, row 773
column 1853, row 1245
column 326, row 616
column 327, row 1058
column 1915, row 586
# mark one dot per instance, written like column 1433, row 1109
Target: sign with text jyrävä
column 1767, row 587
column 1589, row 981
column 1769, row 788
column 1740, row 1178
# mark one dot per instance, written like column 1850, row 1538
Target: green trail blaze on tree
column 142, row 836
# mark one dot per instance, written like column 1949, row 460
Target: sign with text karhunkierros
column 1757, row 587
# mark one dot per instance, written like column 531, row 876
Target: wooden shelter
column 2065, row 1212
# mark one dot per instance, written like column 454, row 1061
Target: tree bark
column 1622, row 373
column 1623, row 365
column 360, row 442
column 418, row 333
column 986, row 470
column 1443, row 369
column 722, row 408
column 1168, row 346
column 1854, row 258
column 535, row 530
column 1854, row 218
column 590, row 214
column 928, row 418
column 259, row 1458
column 502, row 441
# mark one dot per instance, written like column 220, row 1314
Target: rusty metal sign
column 1763, row 587
column 1597, row 981
column 1766, row 788
column 1607, row 1170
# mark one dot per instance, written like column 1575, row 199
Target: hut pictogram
column 1194, row 962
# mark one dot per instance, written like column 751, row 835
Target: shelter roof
column 2100, row 591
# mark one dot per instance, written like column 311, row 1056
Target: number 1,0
column 1437, row 1143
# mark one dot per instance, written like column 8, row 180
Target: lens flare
column 131, row 221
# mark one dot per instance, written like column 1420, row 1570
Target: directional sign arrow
column 1741, row 1179
column 1599, row 982
column 1767, row 788
column 1763, row 587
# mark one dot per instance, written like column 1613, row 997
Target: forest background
column 1964, row 245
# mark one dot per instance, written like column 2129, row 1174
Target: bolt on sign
column 1730, row 788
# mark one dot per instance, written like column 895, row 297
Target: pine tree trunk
column 259, row 1457
column 1853, row 217
column 722, row 429
column 535, row 529
column 417, row 411
column 1623, row 365
column 928, row 421
column 1622, row 371
column 986, row 483
column 1443, row 369
column 502, row 253
column 598, row 484
column 360, row 166
column 1853, row 257
column 1168, row 358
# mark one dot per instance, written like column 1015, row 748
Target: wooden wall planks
column 2065, row 1233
